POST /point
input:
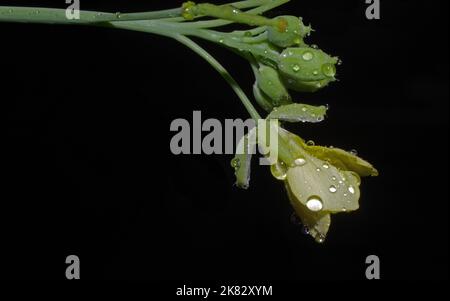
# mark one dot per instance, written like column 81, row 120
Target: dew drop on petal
column 353, row 152
column 235, row 163
column 332, row 189
column 326, row 165
column 320, row 239
column 314, row 203
column 279, row 171
column 305, row 230
column 351, row 189
column 296, row 68
column 300, row 162
column 310, row 143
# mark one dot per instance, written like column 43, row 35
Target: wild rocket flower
column 320, row 181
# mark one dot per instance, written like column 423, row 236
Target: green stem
column 231, row 13
column 256, row 11
column 222, row 71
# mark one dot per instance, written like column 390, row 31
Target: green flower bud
column 288, row 31
column 270, row 83
column 306, row 69
column 188, row 10
column 262, row 99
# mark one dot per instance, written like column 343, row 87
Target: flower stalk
column 320, row 181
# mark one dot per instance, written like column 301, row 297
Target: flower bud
column 288, row 31
column 306, row 69
column 270, row 83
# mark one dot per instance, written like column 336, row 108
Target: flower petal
column 342, row 159
column 242, row 160
column 320, row 186
column 317, row 223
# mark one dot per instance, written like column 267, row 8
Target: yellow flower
column 320, row 181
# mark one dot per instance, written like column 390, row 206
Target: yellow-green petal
column 242, row 160
column 321, row 187
column 318, row 223
column 342, row 159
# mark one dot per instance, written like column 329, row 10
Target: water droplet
column 300, row 162
column 304, row 109
column 332, row 189
column 248, row 34
column 314, row 46
column 221, row 41
column 326, row 165
column 314, row 203
column 320, row 238
column 307, row 56
column 315, row 72
column 333, row 178
column 310, row 143
column 351, row 189
column 318, row 169
column 305, row 230
column 118, row 15
column 353, row 152
column 344, row 209
column 339, row 62
column 279, row 171
column 329, row 70
column 296, row 68
column 235, row 163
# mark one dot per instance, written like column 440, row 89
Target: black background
column 89, row 170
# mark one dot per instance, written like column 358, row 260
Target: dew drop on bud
column 307, row 56
column 329, row 70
